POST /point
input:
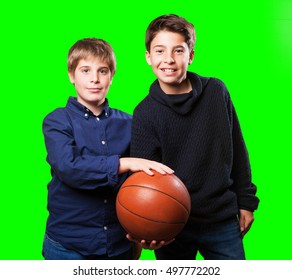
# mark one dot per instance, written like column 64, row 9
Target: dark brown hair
column 172, row 23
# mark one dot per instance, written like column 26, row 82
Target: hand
column 153, row 245
column 139, row 164
column 246, row 219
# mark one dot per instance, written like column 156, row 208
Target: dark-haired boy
column 188, row 122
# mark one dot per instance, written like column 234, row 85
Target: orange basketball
column 153, row 207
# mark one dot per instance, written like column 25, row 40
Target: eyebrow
column 88, row 66
column 163, row 46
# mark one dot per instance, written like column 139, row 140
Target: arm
column 241, row 172
column 241, row 175
column 86, row 171
column 77, row 171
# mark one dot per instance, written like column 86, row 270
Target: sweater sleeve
column 144, row 141
column 75, row 170
column 241, row 171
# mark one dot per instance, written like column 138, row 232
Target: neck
column 94, row 107
column 183, row 87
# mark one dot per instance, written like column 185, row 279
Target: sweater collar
column 180, row 103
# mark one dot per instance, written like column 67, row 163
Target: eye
column 85, row 70
column 104, row 71
column 179, row 51
column 159, row 51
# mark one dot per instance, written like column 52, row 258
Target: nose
column 168, row 57
column 95, row 77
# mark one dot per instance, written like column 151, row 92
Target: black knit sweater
column 198, row 135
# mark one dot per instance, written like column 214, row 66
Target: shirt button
column 97, row 118
column 105, row 201
column 105, row 227
column 102, row 142
column 86, row 115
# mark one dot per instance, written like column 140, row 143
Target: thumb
column 242, row 224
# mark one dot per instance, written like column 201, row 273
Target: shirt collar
column 77, row 107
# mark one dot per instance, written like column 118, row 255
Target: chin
column 170, row 80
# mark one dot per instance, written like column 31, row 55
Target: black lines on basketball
column 153, row 207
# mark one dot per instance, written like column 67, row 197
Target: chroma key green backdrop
column 247, row 44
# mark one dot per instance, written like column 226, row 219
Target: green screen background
column 246, row 44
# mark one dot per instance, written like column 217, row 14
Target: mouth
column 167, row 70
column 94, row 89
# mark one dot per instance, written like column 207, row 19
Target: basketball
column 153, row 207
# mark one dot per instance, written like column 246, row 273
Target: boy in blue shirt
column 87, row 144
column 188, row 122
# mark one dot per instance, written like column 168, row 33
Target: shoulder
column 145, row 105
column 219, row 87
column 208, row 81
column 219, row 83
column 198, row 78
column 57, row 118
column 56, row 114
column 120, row 114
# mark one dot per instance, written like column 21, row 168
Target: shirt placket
column 104, row 149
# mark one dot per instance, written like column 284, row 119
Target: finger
column 168, row 169
column 148, row 171
column 160, row 244
column 168, row 242
column 164, row 243
column 144, row 244
column 242, row 224
column 130, row 238
column 159, row 170
column 153, row 244
column 247, row 228
column 163, row 169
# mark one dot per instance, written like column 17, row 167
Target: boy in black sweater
column 188, row 123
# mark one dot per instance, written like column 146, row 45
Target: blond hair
column 91, row 47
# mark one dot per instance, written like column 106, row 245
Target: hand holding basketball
column 153, row 245
column 153, row 207
column 145, row 165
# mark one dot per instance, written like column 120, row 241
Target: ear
column 191, row 58
column 71, row 77
column 148, row 59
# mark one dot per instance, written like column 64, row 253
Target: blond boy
column 88, row 146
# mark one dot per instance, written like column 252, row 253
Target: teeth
column 168, row 70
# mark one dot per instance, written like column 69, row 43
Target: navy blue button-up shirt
column 83, row 152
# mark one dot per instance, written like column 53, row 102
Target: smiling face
column 92, row 79
column 169, row 57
